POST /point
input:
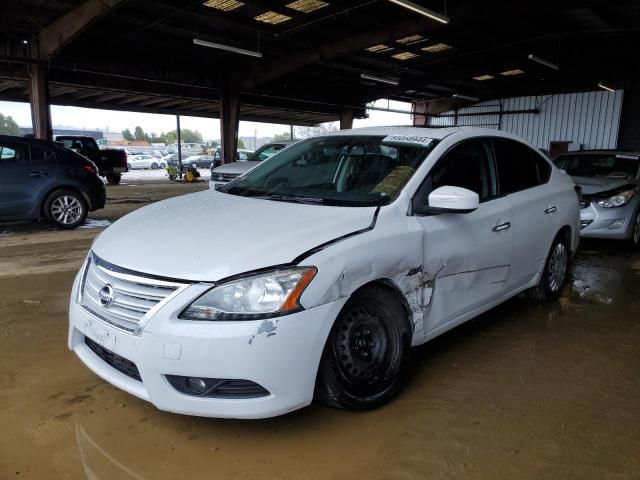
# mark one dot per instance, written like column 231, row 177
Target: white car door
column 467, row 256
column 523, row 176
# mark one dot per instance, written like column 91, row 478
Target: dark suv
column 42, row 179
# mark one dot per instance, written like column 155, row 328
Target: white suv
column 346, row 250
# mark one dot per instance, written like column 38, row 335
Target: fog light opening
column 616, row 224
column 197, row 385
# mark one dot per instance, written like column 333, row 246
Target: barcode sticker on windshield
column 408, row 139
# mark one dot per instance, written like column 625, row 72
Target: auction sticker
column 408, row 139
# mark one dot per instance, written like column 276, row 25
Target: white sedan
column 136, row 162
column 345, row 251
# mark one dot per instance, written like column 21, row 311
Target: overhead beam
column 61, row 32
column 279, row 67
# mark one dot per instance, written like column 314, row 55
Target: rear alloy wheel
column 154, row 165
column 555, row 272
column 65, row 209
column 114, row 178
column 364, row 356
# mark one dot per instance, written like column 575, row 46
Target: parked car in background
column 200, row 161
column 111, row 163
column 42, row 179
column 348, row 249
column 137, row 162
column 225, row 173
column 610, row 180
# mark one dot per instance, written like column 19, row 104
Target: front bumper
column 284, row 361
column 608, row 223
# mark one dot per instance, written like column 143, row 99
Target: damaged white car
column 327, row 263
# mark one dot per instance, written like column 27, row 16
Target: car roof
column 602, row 151
column 430, row 132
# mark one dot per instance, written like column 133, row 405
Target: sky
column 116, row 121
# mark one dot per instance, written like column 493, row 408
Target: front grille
column 122, row 298
column 224, row 177
column 116, row 361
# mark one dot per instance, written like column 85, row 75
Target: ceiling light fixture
column 381, row 47
column 438, row 17
column 460, row 96
column 227, row 48
column 374, row 78
column 224, row 5
column 307, row 6
column 544, row 62
column 510, row 73
column 404, row 56
column 272, row 18
column 482, row 78
column 438, row 47
column 604, row 87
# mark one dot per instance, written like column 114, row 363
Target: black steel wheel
column 555, row 272
column 635, row 231
column 364, row 356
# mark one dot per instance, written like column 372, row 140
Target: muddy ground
column 526, row 391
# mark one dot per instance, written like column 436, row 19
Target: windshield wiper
column 291, row 198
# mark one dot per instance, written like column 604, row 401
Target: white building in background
column 588, row 120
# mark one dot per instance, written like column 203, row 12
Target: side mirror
column 449, row 199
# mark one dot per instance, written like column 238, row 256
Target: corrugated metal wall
column 588, row 120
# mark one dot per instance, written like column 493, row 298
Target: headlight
column 263, row 295
column 617, row 200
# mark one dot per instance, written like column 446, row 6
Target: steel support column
column 346, row 119
column 229, row 123
column 39, row 99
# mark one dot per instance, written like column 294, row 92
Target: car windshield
column 337, row 170
column 265, row 151
column 609, row 165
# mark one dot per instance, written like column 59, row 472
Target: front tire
column 65, row 209
column 154, row 166
column 555, row 272
column 364, row 357
column 114, row 178
column 635, row 232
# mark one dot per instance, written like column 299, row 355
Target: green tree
column 186, row 136
column 140, row 135
column 241, row 144
column 8, row 126
column 126, row 134
column 279, row 137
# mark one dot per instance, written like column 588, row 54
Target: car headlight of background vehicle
column 268, row 294
column 618, row 200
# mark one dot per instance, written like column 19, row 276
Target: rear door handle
column 502, row 226
column 37, row 173
column 552, row 209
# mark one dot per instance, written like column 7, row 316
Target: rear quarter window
column 519, row 166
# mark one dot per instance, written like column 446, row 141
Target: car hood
column 591, row 185
column 236, row 167
column 211, row 235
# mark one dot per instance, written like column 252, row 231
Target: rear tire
column 364, row 357
column 555, row 272
column 114, row 178
column 65, row 209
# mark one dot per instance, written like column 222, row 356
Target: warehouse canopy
column 305, row 59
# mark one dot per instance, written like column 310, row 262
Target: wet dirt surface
column 524, row 391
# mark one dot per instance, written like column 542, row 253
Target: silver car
column 228, row 172
column 610, row 200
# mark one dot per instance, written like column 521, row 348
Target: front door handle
column 502, row 226
column 551, row 209
column 38, row 173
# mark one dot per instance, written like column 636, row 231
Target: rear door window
column 519, row 166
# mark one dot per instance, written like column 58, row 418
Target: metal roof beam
column 61, row 32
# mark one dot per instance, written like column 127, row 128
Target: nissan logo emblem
column 105, row 295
